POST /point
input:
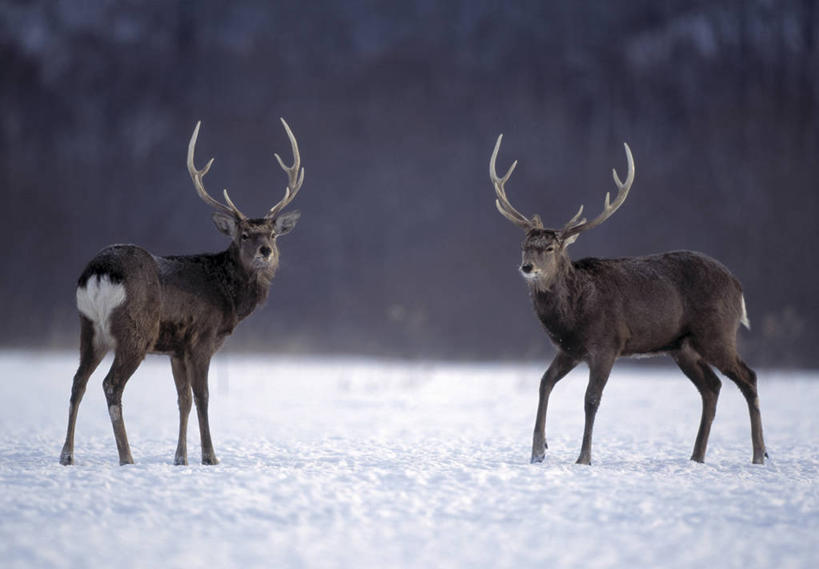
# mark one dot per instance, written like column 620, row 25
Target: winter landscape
column 367, row 463
column 388, row 454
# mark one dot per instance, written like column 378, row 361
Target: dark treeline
column 396, row 106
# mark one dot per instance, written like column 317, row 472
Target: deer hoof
column 537, row 457
column 66, row 459
column 210, row 460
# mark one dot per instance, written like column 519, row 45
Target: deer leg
column 708, row 384
column 183, row 391
column 198, row 372
column 125, row 364
column 745, row 378
column 90, row 358
column 599, row 370
column 561, row 365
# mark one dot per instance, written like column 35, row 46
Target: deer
column 134, row 303
column 681, row 303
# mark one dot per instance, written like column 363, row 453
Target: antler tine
column 625, row 187
column 576, row 226
column 502, row 202
column 575, row 221
column 197, row 175
column 230, row 203
column 295, row 174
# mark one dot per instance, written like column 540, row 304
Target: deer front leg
column 599, row 370
column 183, row 391
column 560, row 366
column 198, row 372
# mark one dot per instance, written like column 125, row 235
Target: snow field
column 362, row 463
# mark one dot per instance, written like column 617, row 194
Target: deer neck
column 246, row 288
column 555, row 299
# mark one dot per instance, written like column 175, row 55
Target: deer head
column 253, row 239
column 544, row 249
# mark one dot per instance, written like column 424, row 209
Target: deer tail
column 744, row 317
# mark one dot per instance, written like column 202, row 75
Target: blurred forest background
column 396, row 106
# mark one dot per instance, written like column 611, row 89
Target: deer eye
column 550, row 248
column 245, row 236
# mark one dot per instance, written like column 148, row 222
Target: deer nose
column 265, row 251
column 526, row 268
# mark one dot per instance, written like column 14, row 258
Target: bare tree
column 681, row 303
column 135, row 303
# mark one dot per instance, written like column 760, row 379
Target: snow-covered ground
column 356, row 463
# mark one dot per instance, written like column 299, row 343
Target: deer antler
column 197, row 175
column 577, row 225
column 295, row 175
column 502, row 202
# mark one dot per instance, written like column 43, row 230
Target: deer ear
column 286, row 222
column 225, row 223
column 571, row 239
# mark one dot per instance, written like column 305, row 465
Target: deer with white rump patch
column 681, row 303
column 135, row 303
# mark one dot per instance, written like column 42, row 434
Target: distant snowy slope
column 359, row 463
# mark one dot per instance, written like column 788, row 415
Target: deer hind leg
column 126, row 361
column 560, row 366
column 197, row 366
column 183, row 391
column 599, row 370
column 745, row 378
column 91, row 355
column 723, row 356
column 708, row 384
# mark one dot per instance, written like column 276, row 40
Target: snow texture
column 360, row 463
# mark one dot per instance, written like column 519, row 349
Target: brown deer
column 135, row 303
column 681, row 303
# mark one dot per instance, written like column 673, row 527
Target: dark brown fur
column 182, row 306
column 682, row 303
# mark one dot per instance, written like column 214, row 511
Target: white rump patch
column 744, row 318
column 96, row 300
